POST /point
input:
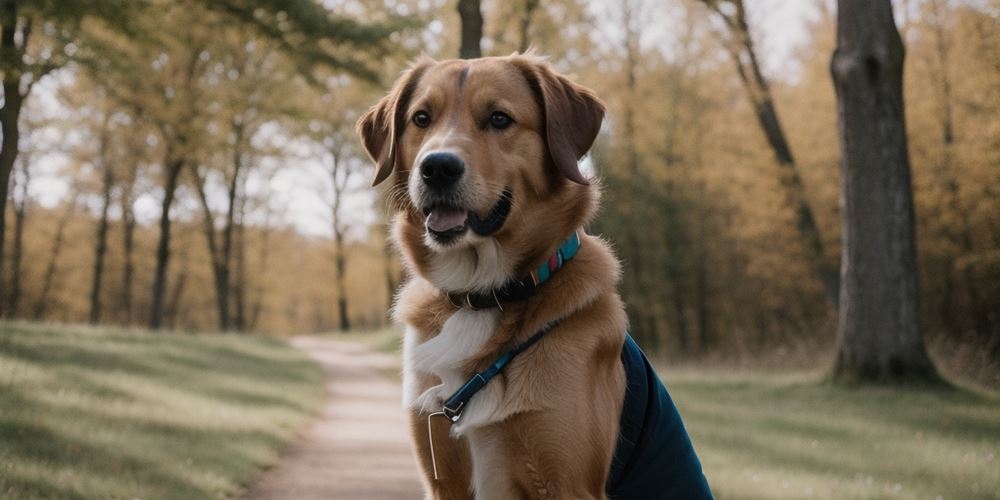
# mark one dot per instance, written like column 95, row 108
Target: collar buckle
column 455, row 413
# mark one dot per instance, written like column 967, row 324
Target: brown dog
column 483, row 157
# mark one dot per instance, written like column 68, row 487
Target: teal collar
column 524, row 287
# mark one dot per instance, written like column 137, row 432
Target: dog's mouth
column 446, row 223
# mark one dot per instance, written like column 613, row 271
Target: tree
column 739, row 44
column 55, row 252
column 340, row 170
column 471, row 20
column 879, row 334
column 104, row 165
column 20, row 200
column 24, row 60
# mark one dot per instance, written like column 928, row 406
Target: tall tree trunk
column 52, row 267
column 101, row 244
column 20, row 217
column 339, row 175
column 13, row 99
column 128, row 248
column 220, row 271
column 341, row 277
column 239, row 287
column 878, row 333
column 173, row 310
column 740, row 46
column 172, row 174
column 471, row 19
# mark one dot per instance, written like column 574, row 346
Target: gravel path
column 359, row 448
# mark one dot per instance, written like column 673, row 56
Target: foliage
column 112, row 413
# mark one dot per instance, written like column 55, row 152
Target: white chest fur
column 462, row 336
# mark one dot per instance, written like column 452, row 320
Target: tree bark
column 172, row 174
column 339, row 175
column 10, row 112
column 220, row 270
column 101, row 243
column 239, row 286
column 471, row 19
column 879, row 334
column 20, row 218
column 128, row 247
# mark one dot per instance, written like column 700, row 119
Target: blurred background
column 176, row 169
column 193, row 165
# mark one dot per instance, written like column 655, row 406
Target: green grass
column 793, row 436
column 99, row 413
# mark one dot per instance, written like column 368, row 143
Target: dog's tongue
column 445, row 219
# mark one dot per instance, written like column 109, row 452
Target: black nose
column 441, row 170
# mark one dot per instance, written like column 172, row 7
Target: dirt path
column 359, row 449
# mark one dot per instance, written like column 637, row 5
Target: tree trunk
column 741, row 49
column 173, row 171
column 20, row 217
column 339, row 175
column 341, row 274
column 471, row 19
column 173, row 309
column 52, row 267
column 220, row 271
column 9, row 113
column 239, row 287
column 128, row 249
column 101, row 244
column 878, row 333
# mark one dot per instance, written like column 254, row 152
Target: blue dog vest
column 654, row 458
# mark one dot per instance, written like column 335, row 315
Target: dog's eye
column 422, row 119
column 500, row 120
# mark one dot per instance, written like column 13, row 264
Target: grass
column 104, row 413
column 793, row 436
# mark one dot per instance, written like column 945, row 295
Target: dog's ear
column 572, row 115
column 382, row 125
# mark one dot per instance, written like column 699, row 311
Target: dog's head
column 484, row 151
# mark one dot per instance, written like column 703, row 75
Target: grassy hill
column 105, row 413
column 795, row 437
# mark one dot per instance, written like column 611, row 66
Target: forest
column 192, row 165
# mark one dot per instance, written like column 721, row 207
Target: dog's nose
column 441, row 170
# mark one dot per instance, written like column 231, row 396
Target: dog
column 517, row 365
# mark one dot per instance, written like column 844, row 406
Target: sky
column 298, row 187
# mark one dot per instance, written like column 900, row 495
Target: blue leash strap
column 455, row 404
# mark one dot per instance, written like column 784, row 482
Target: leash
column 522, row 288
column 513, row 290
column 454, row 406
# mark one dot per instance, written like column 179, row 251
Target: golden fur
column 546, row 427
